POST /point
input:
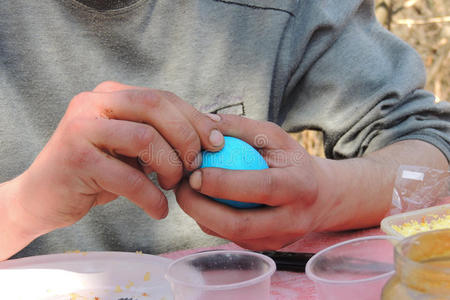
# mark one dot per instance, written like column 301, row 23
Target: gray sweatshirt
column 318, row 64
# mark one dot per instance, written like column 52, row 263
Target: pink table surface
column 289, row 285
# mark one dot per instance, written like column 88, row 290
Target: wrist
column 20, row 225
column 330, row 202
column 358, row 191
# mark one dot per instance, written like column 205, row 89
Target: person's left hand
column 290, row 191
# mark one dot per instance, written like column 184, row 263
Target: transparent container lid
column 421, row 220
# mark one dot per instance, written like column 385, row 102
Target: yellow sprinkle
column 118, row 289
column 130, row 284
column 138, row 252
column 413, row 227
column 147, row 276
column 73, row 251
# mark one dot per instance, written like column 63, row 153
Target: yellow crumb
column 118, row 289
column 413, row 227
column 73, row 251
column 130, row 284
column 147, row 276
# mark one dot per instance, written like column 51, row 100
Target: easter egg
column 235, row 155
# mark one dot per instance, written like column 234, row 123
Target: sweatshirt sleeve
column 357, row 83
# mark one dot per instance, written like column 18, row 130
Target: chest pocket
column 287, row 6
column 226, row 104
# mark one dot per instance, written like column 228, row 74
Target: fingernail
column 214, row 117
column 216, row 138
column 195, row 181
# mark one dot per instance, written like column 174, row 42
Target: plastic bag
column 419, row 187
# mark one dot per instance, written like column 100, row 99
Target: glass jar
column 422, row 265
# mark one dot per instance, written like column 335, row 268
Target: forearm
column 16, row 228
column 361, row 188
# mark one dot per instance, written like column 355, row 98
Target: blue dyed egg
column 235, row 155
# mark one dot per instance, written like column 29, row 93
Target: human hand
column 92, row 157
column 290, row 190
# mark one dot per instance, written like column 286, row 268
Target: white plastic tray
column 426, row 214
column 85, row 275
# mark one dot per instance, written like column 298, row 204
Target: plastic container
column 220, row 275
column 422, row 264
column 354, row 269
column 422, row 217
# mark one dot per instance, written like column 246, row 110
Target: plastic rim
column 249, row 282
column 313, row 277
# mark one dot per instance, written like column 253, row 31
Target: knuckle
column 135, row 182
column 160, row 205
column 271, row 126
column 149, row 98
column 144, row 135
column 272, row 129
column 107, row 86
column 188, row 140
column 80, row 99
column 169, row 96
column 191, row 140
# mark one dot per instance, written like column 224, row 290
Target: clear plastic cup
column 221, row 274
column 354, row 269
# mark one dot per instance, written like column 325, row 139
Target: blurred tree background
column 425, row 25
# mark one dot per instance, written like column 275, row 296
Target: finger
column 259, row 134
column 273, row 187
column 154, row 108
column 113, row 86
column 211, row 138
column 227, row 222
column 119, row 178
column 132, row 139
column 202, row 124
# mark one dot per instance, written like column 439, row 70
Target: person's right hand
column 93, row 155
